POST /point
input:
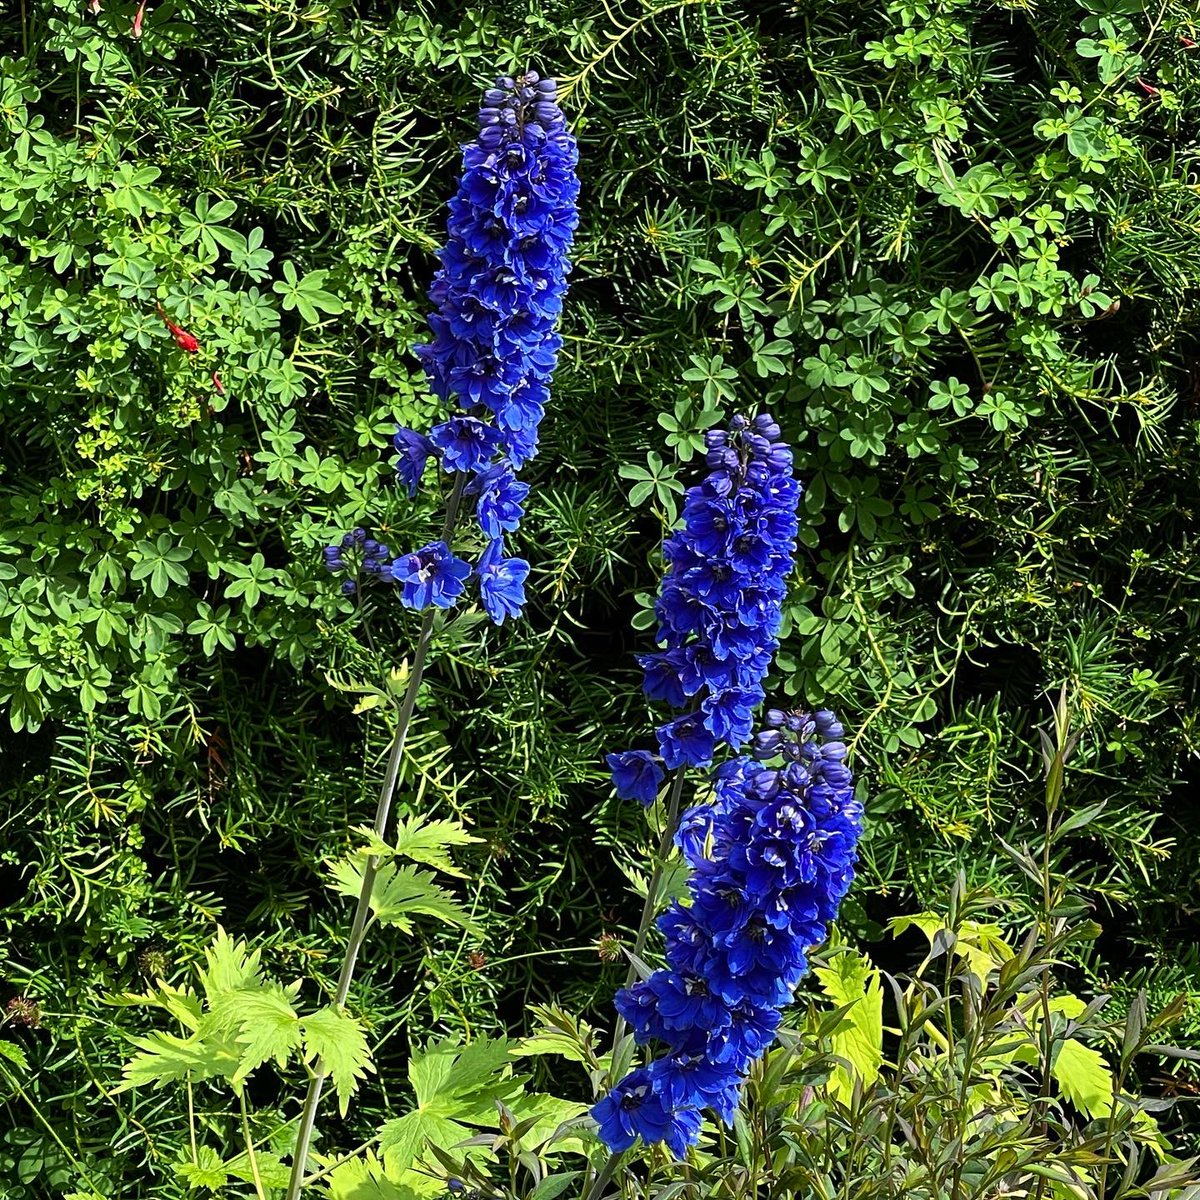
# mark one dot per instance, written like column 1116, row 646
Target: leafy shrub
column 951, row 245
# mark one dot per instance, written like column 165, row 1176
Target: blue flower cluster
column 499, row 293
column 720, row 605
column 366, row 555
column 771, row 857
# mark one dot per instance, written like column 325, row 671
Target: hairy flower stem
column 358, row 927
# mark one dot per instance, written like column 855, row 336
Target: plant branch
column 358, row 927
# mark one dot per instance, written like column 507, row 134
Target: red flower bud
column 136, row 31
column 1147, row 88
column 218, row 385
column 1187, row 42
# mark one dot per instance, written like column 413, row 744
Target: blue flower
column 686, row 741
column 633, row 1109
column 466, row 443
column 688, row 1080
column 636, row 775
column 695, row 831
column 720, row 606
column 500, row 506
column 503, row 274
column 431, row 576
column 501, row 582
column 412, row 453
column 498, row 296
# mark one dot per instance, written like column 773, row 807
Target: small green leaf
column 400, row 892
column 205, row 1170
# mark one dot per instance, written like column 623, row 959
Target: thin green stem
column 14, row 1083
column 362, row 910
column 616, row 1066
column 616, row 1070
column 259, row 1190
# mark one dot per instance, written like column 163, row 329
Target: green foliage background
column 952, row 245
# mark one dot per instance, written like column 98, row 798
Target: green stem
column 362, row 911
column 616, row 1066
column 648, row 910
column 250, row 1153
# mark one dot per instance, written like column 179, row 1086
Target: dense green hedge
column 954, row 246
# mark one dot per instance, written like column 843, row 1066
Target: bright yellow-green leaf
column 851, row 979
column 264, row 1023
column 399, row 893
column 979, row 943
column 403, row 1139
column 166, row 1058
column 229, row 965
column 558, row 1033
column 1084, row 1077
column 429, row 842
column 272, row 1170
column 14, row 1054
column 206, row 1170
column 365, row 1179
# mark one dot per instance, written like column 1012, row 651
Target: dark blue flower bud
column 765, row 784
column 737, row 423
column 775, row 718
column 827, row 723
column 767, row 743
column 349, row 587
column 767, row 426
column 715, row 437
column 758, row 474
column 779, row 457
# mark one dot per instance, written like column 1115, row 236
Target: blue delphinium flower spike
column 771, row 856
column 720, row 605
column 498, row 294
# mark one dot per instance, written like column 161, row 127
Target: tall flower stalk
column 498, row 294
column 772, row 854
column 771, row 857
